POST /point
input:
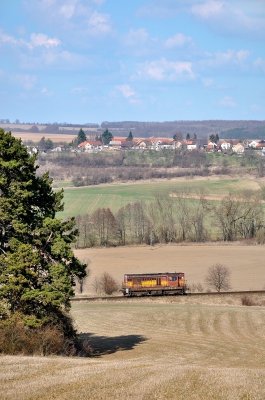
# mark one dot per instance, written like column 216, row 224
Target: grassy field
column 87, row 199
column 175, row 348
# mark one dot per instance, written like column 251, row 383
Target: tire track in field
column 95, row 202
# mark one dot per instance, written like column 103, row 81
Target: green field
column 79, row 201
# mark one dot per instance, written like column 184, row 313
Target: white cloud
column 136, row 37
column 67, row 10
column 255, row 107
column 79, row 90
column 99, row 23
column 177, row 40
column 4, row 38
column 43, row 40
column 231, row 58
column 26, row 81
column 236, row 17
column 227, row 101
column 99, row 2
column 126, row 90
column 136, row 101
column 45, row 92
column 35, row 40
column 208, row 9
column 210, row 83
column 259, row 63
column 161, row 70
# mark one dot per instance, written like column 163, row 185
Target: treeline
column 169, row 128
column 183, row 216
column 96, row 176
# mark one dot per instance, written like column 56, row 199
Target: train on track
column 164, row 283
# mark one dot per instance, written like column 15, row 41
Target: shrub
column 247, row 301
column 108, row 284
column 17, row 338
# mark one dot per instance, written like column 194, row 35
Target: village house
column 192, row 144
column 90, row 146
column 260, row 145
column 253, row 144
column 162, row 143
column 238, row 148
column 211, row 146
column 225, row 145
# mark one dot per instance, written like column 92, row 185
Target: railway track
column 119, row 298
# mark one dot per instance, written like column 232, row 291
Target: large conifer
column 37, row 264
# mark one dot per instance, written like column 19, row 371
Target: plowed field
column 246, row 263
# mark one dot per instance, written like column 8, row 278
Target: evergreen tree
column 188, row 136
column 37, row 265
column 177, row 136
column 214, row 138
column 81, row 136
column 106, row 136
column 130, row 136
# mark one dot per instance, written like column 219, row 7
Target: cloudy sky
column 82, row 61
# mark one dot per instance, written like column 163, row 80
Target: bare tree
column 81, row 281
column 218, row 277
column 108, row 284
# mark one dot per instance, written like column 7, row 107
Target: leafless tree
column 218, row 277
column 108, row 284
column 161, row 217
column 239, row 215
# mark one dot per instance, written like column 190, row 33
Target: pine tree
column 37, row 265
column 81, row 136
column 106, row 136
column 130, row 136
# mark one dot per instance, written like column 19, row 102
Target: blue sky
column 80, row 61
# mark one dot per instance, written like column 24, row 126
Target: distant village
column 225, row 146
column 222, row 145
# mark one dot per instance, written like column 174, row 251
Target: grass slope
column 88, row 199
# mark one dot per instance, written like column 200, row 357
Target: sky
column 89, row 61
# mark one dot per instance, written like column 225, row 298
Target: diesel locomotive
column 154, row 284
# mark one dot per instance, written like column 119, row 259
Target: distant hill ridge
column 226, row 129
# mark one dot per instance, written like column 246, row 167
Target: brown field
column 36, row 137
column 144, row 349
column 172, row 348
column 244, row 261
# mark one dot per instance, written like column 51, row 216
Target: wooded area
column 183, row 216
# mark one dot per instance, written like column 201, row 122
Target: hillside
column 229, row 129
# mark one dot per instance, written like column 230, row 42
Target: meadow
column 174, row 348
column 79, row 201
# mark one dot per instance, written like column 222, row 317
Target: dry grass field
column 145, row 349
column 173, row 348
column 36, row 137
column 246, row 263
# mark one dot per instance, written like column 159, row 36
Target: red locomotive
column 154, row 284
